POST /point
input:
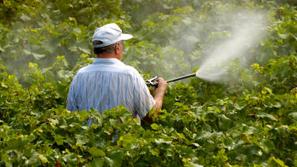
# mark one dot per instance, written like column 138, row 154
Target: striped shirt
column 107, row 83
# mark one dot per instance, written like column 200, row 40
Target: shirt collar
column 106, row 61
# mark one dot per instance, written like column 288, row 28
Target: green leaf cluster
column 248, row 122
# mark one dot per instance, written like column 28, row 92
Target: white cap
column 109, row 34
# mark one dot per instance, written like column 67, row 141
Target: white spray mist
column 248, row 28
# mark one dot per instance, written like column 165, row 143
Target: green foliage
column 251, row 122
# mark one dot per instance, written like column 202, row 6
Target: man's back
column 108, row 83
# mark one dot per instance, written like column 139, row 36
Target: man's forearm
column 159, row 96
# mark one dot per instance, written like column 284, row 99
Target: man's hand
column 162, row 86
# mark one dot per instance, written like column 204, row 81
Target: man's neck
column 106, row 56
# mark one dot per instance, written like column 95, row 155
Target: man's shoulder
column 83, row 69
column 131, row 70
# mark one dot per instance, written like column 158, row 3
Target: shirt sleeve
column 143, row 100
column 71, row 102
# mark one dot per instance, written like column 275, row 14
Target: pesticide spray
column 246, row 33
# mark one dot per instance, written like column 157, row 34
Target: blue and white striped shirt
column 107, row 83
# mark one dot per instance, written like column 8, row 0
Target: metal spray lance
column 153, row 81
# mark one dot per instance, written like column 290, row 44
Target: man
column 108, row 82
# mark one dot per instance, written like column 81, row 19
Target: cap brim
column 125, row 37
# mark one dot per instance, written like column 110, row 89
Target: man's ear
column 117, row 48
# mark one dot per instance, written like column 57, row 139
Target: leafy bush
column 250, row 122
